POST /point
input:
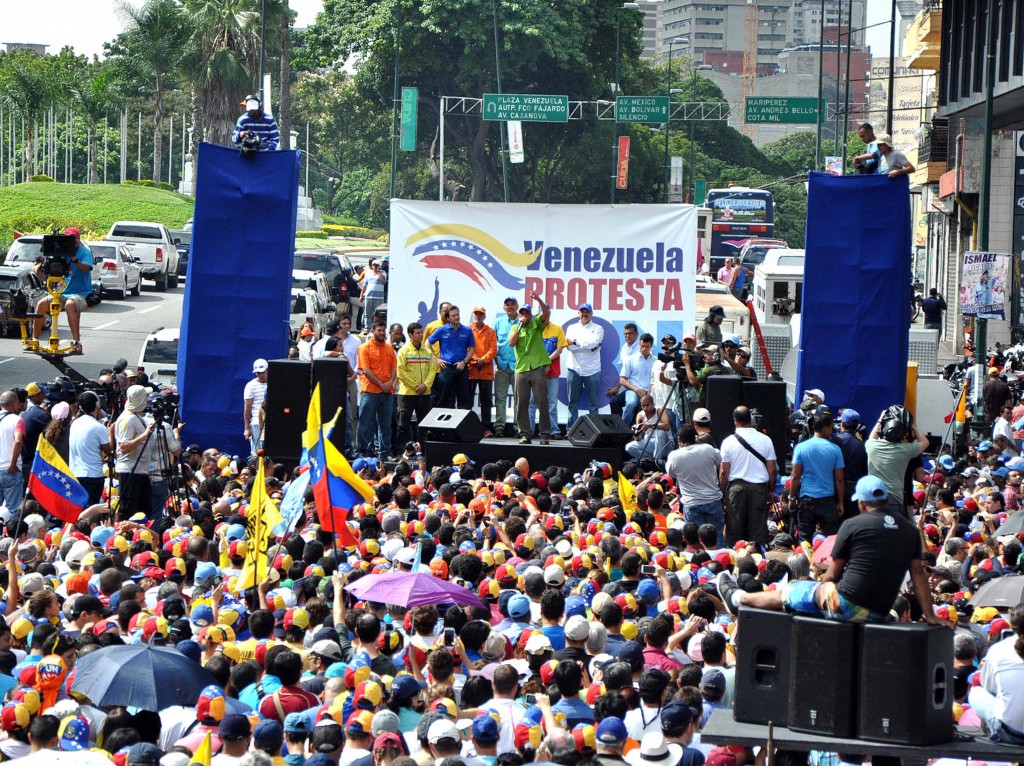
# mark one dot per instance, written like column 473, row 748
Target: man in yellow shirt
column 416, row 372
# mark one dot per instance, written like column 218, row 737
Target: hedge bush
column 360, row 232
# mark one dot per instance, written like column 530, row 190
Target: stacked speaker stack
column 879, row 682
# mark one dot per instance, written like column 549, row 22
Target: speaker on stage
column 599, row 431
column 286, row 406
column 823, row 679
column 332, row 375
column 763, row 652
column 444, row 425
column 769, row 398
column 724, row 394
column 906, row 684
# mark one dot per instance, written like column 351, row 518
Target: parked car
column 315, row 281
column 119, row 270
column 155, row 248
column 183, row 244
column 159, row 357
column 308, row 307
column 337, row 268
column 27, row 248
column 14, row 278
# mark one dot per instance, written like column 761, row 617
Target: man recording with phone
column 77, row 285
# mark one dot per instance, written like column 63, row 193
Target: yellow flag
column 204, row 753
column 313, row 420
column 627, row 494
column 261, row 517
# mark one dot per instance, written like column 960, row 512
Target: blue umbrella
column 140, row 676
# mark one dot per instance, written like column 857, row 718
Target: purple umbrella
column 411, row 589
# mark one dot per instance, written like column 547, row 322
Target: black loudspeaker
column 823, row 678
column 332, row 375
column 906, row 684
column 599, row 431
column 458, row 426
column 763, row 653
column 286, row 406
column 724, row 394
column 769, row 398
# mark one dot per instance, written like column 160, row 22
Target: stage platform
column 973, row 745
column 561, row 453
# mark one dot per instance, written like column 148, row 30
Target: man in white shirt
column 350, row 345
column 630, row 347
column 504, row 704
column 999, row 700
column 253, row 395
column 1002, row 426
column 584, row 362
column 12, row 435
column 747, row 479
column 635, row 377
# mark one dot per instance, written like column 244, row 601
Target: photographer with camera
column 164, row 449
column 131, row 434
column 77, row 285
column 256, row 130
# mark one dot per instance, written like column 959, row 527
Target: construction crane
column 750, row 24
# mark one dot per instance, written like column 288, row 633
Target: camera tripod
column 52, row 347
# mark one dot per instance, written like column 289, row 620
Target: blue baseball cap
column 870, row 489
column 99, row 536
column 204, row 571
column 1002, row 473
column 586, row 307
column 985, row 445
column 518, row 606
column 647, row 591
column 575, row 605
column 75, row 734
column 485, row 729
column 611, row 731
column 850, row 415
column 733, row 339
column 946, row 461
column 405, row 687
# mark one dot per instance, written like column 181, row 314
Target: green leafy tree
column 792, row 155
column 93, row 95
column 151, row 48
column 27, row 87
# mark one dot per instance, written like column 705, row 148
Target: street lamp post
column 396, row 96
column 502, row 126
column 615, row 124
column 691, row 187
column 668, row 124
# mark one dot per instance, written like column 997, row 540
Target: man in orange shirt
column 379, row 367
column 481, row 366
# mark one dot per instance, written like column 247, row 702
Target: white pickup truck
column 153, row 245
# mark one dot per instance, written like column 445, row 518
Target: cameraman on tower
column 77, row 285
column 255, row 122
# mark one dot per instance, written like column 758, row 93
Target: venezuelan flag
column 53, row 485
column 336, row 487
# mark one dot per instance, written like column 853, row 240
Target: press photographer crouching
column 77, row 285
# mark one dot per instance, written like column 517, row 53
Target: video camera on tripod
column 674, row 356
column 163, row 407
column 58, row 250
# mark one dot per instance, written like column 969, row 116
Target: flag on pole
column 54, row 486
column 627, row 494
column 336, row 487
column 260, row 519
column 204, row 753
column 959, row 412
column 293, row 503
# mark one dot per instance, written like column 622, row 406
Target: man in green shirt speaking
column 532, row 362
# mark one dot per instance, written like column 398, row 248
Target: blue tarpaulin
column 239, row 287
column 855, row 312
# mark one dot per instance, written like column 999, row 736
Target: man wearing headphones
column 890, row 451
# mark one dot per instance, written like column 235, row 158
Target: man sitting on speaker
column 870, row 559
column 77, row 285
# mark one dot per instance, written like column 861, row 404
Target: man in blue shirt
column 635, row 377
column 258, row 122
column 504, row 367
column 568, row 677
column 457, row 345
column 77, row 285
column 817, row 481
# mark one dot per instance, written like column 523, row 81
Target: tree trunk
column 94, row 151
column 29, row 147
column 196, row 134
column 284, row 102
column 158, row 127
column 478, row 163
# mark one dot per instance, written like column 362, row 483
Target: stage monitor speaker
column 906, row 684
column 599, row 431
column 458, row 426
column 286, row 406
column 724, row 394
column 332, row 375
column 763, row 654
column 823, row 678
column 769, row 398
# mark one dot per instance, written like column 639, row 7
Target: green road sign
column 410, row 102
column 700, row 192
column 788, row 110
column 651, row 109
column 526, row 107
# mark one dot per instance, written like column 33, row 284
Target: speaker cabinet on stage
column 332, row 375
column 599, row 431
column 724, row 394
column 286, row 407
column 906, row 684
column 763, row 659
column 823, row 678
column 769, row 398
column 444, row 425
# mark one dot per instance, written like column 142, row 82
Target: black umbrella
column 1004, row 592
column 137, row 675
column 1013, row 525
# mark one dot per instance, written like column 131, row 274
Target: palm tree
column 156, row 33
column 26, row 87
column 221, row 59
column 91, row 86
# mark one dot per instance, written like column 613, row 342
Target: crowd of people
column 606, row 610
